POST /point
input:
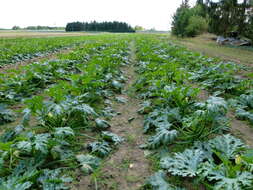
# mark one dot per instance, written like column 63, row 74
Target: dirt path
column 241, row 129
column 127, row 168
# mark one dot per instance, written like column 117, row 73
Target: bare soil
column 241, row 129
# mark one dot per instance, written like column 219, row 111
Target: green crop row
column 190, row 140
column 67, row 101
column 14, row 50
column 17, row 84
column 50, row 138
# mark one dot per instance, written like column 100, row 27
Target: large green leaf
column 158, row 182
column 163, row 137
column 219, row 175
column 52, row 180
column 227, row 145
column 11, row 134
column 40, row 142
column 14, row 184
column 244, row 115
column 88, row 162
column 100, row 149
column 102, row 124
column 62, row 132
column 6, row 115
column 24, row 146
column 183, row 164
column 111, row 137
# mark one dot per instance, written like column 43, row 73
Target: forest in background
column 114, row 26
column 223, row 17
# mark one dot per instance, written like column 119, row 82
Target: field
column 29, row 33
column 123, row 111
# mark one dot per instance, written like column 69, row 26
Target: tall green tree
column 226, row 16
column 99, row 26
column 181, row 19
column 189, row 21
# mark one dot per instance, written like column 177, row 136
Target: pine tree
column 227, row 16
column 181, row 19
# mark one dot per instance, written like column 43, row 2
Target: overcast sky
column 147, row 13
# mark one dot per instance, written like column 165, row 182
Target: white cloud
column 147, row 13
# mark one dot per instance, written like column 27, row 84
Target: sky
column 146, row 13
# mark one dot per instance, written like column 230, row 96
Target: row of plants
column 13, row 50
column 27, row 80
column 190, row 142
column 222, row 79
column 219, row 78
column 30, row 79
column 66, row 128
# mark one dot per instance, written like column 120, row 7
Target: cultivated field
column 122, row 111
column 30, row 33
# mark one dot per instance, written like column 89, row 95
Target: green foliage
column 219, row 174
column 117, row 85
column 189, row 22
column 217, row 160
column 158, row 182
column 220, row 78
column 100, row 149
column 74, row 104
column 209, row 118
column 227, row 146
column 111, row 137
column 54, row 122
column 183, row 164
column 19, row 49
column 114, row 26
column 179, row 96
column 161, row 118
column 13, row 184
column 52, row 115
column 228, row 16
column 181, row 21
column 102, row 124
column 11, row 134
column 62, row 132
column 51, row 180
column 163, row 137
column 197, row 25
column 88, row 163
column 6, row 115
column 171, row 104
column 244, row 107
column 248, row 32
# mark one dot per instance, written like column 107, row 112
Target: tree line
column 221, row 17
column 114, row 26
column 38, row 28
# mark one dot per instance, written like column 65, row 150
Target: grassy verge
column 209, row 47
